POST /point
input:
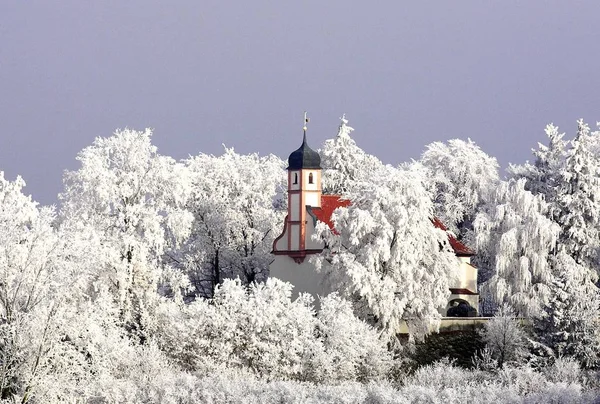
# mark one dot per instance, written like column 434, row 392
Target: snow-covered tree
column 504, row 337
column 237, row 207
column 125, row 204
column 515, row 240
column 545, row 176
column 385, row 254
column 38, row 303
column 461, row 176
column 579, row 200
column 569, row 325
column 28, row 286
column 344, row 163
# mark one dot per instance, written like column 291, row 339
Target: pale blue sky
column 203, row 73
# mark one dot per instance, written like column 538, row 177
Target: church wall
column 294, row 210
column 282, row 243
column 313, row 199
column 303, row 276
column 310, row 230
column 467, row 276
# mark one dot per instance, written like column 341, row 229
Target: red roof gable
column 458, row 247
column 329, row 203
column 462, row 292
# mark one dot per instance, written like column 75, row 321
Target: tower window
column 310, row 178
column 295, row 178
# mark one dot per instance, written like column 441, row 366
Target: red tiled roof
column 329, row 203
column 462, row 292
column 459, row 248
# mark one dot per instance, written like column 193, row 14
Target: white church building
column 307, row 205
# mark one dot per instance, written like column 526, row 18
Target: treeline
column 152, row 274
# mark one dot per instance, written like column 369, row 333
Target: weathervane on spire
column 306, row 120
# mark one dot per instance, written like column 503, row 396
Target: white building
column 307, row 205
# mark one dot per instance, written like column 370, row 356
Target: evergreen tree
column 344, row 163
column 579, row 201
column 545, row 176
column 569, row 324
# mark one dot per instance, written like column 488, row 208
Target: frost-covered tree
column 39, row 298
column 28, row 284
column 515, row 239
column 344, row 163
column 569, row 325
column 545, row 176
column 386, row 255
column 504, row 337
column 237, row 207
column 461, row 176
column 125, row 204
column 569, row 181
column 579, row 200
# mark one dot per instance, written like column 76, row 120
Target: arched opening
column 461, row 308
column 310, row 178
column 295, row 178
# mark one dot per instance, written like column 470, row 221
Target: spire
column 304, row 128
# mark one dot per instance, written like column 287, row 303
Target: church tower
column 304, row 193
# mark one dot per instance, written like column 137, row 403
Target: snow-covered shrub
column 564, row 370
column 352, row 350
column 259, row 329
column 441, row 375
column 524, row 380
column 256, row 328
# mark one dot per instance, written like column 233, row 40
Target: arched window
column 310, row 178
column 295, row 178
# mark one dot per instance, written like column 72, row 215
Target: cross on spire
column 306, row 120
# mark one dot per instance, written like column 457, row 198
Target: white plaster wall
column 312, row 199
column 293, row 209
column 282, row 243
column 295, row 239
column 309, row 243
column 467, row 277
column 303, row 276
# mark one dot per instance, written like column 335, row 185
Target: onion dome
column 304, row 157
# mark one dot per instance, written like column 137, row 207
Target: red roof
column 329, row 203
column 462, row 292
column 458, row 247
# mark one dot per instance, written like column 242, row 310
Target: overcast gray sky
column 203, row 73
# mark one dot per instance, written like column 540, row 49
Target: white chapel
column 307, row 205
